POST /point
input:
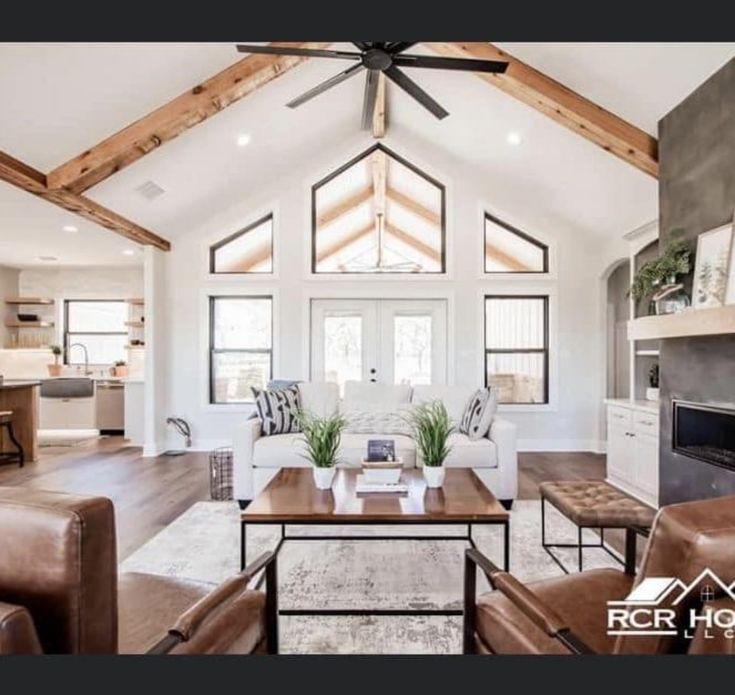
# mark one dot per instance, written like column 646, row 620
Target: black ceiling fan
column 376, row 57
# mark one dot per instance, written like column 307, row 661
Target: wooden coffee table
column 292, row 498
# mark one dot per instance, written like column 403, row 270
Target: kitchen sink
column 67, row 387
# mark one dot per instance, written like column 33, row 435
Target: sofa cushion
column 369, row 421
column 319, row 398
column 287, row 450
column 278, row 410
column 374, row 397
column 479, row 413
column 455, row 398
column 466, row 453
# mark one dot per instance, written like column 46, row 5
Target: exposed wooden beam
column 380, row 178
column 410, row 204
column 33, row 181
column 257, row 256
column 507, row 260
column 350, row 239
column 343, row 207
column 172, row 119
column 380, row 115
column 563, row 105
column 413, row 242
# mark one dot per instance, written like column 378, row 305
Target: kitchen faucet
column 86, row 356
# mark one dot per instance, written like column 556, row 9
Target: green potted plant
column 55, row 368
column 431, row 427
column 323, row 436
column 660, row 276
column 652, row 392
column 120, row 368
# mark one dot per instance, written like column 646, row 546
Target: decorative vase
column 652, row 393
column 671, row 298
column 434, row 476
column 323, row 477
column 54, row 369
column 121, row 372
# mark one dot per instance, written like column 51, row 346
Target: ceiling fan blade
column 394, row 47
column 371, row 94
column 362, row 45
column 295, row 51
column 409, row 86
column 324, row 86
column 413, row 61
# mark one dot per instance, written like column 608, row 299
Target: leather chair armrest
column 541, row 614
column 17, row 631
column 223, row 600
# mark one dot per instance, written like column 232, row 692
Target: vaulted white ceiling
column 62, row 98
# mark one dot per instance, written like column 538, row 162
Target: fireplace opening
column 705, row 432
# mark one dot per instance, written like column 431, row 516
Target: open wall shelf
column 37, row 301
column 689, row 323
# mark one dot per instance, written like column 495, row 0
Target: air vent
column 150, row 190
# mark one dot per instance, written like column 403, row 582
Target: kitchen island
column 22, row 398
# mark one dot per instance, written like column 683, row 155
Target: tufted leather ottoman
column 595, row 504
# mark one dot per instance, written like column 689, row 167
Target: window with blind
column 240, row 347
column 517, row 347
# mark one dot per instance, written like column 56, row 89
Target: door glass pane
column 519, row 378
column 234, row 373
column 242, row 323
column 412, row 349
column 342, row 348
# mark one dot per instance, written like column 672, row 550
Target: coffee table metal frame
column 505, row 523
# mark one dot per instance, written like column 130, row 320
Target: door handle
column 373, row 370
column 373, row 380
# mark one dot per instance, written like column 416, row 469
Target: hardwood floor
column 150, row 493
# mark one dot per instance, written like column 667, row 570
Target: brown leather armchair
column 569, row 615
column 60, row 592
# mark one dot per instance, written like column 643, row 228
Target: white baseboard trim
column 176, row 443
column 152, row 450
column 592, row 445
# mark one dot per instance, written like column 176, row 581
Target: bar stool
column 6, row 423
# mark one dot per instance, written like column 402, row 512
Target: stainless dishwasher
column 110, row 406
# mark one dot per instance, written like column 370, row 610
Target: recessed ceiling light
column 514, row 138
column 243, row 139
column 128, row 252
column 70, row 228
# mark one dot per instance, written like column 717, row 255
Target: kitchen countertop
column 8, row 384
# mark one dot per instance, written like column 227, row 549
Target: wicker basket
column 220, row 473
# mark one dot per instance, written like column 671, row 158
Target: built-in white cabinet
column 68, row 414
column 632, row 448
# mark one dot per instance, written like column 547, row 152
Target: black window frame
column 67, row 332
column 518, row 232
column 510, row 351
column 393, row 155
column 242, row 232
column 213, row 350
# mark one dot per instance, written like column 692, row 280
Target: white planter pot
column 434, row 476
column 652, row 394
column 323, row 477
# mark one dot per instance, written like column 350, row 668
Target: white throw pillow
column 479, row 413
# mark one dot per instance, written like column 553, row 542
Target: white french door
column 391, row 341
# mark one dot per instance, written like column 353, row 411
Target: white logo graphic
column 642, row 613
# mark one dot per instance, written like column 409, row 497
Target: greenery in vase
column 431, row 427
column 674, row 261
column 323, row 436
column 120, row 363
column 56, row 352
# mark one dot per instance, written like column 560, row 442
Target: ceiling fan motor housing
column 376, row 59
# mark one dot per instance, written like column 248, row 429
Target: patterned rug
column 203, row 544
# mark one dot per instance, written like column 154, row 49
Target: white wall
column 569, row 422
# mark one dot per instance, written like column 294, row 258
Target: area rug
column 203, row 544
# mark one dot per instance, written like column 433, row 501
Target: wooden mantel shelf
column 689, row 323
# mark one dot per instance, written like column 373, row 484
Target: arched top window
column 378, row 214
column 249, row 250
column 509, row 250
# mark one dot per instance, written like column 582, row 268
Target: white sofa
column 256, row 458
